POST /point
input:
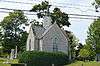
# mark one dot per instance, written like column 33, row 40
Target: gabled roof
column 38, row 30
column 64, row 32
column 55, row 24
column 46, row 31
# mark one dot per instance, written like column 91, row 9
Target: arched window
column 55, row 46
column 30, row 45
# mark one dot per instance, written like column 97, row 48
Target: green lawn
column 80, row 63
column 2, row 62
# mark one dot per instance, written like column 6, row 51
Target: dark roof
column 38, row 30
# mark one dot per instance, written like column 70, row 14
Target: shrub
column 40, row 58
column 17, row 64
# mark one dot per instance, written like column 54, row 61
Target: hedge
column 18, row 64
column 40, row 58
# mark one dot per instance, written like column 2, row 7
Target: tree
column 84, row 54
column 97, row 1
column 94, row 35
column 60, row 17
column 87, row 52
column 12, row 31
column 91, row 51
column 79, row 47
column 73, row 42
column 96, row 4
column 23, row 40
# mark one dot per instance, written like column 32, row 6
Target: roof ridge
column 47, row 30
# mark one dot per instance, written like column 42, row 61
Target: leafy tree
column 94, row 35
column 73, row 42
column 79, row 47
column 84, row 53
column 23, row 40
column 96, row 4
column 97, row 1
column 87, row 52
column 91, row 51
column 60, row 17
column 12, row 31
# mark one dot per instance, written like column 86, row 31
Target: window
column 38, row 45
column 29, row 44
column 55, row 47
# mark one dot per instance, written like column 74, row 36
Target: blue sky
column 78, row 26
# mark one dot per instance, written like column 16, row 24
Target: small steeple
column 47, row 19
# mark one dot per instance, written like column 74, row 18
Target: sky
column 79, row 27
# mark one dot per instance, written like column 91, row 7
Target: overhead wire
column 15, row 2
column 53, row 5
column 41, row 1
column 84, row 15
column 69, row 16
column 14, row 9
column 82, row 18
column 73, row 4
column 57, row 6
column 85, row 10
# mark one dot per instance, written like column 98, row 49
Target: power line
column 68, row 14
column 15, row 2
column 28, row 10
column 76, row 8
column 13, row 9
column 74, row 4
column 57, row 6
column 41, row 1
column 10, row 11
column 82, row 18
column 83, row 15
column 4, row 12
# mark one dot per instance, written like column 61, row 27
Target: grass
column 2, row 60
column 81, row 63
column 9, row 60
column 1, row 64
column 77, row 63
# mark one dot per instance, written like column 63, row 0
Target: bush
column 17, row 64
column 40, row 58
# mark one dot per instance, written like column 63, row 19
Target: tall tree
column 12, row 31
column 73, row 42
column 84, row 53
column 22, row 42
column 96, row 4
column 87, row 52
column 97, row 1
column 94, row 35
column 79, row 47
column 91, row 50
column 43, row 9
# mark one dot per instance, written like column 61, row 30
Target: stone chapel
column 47, row 37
